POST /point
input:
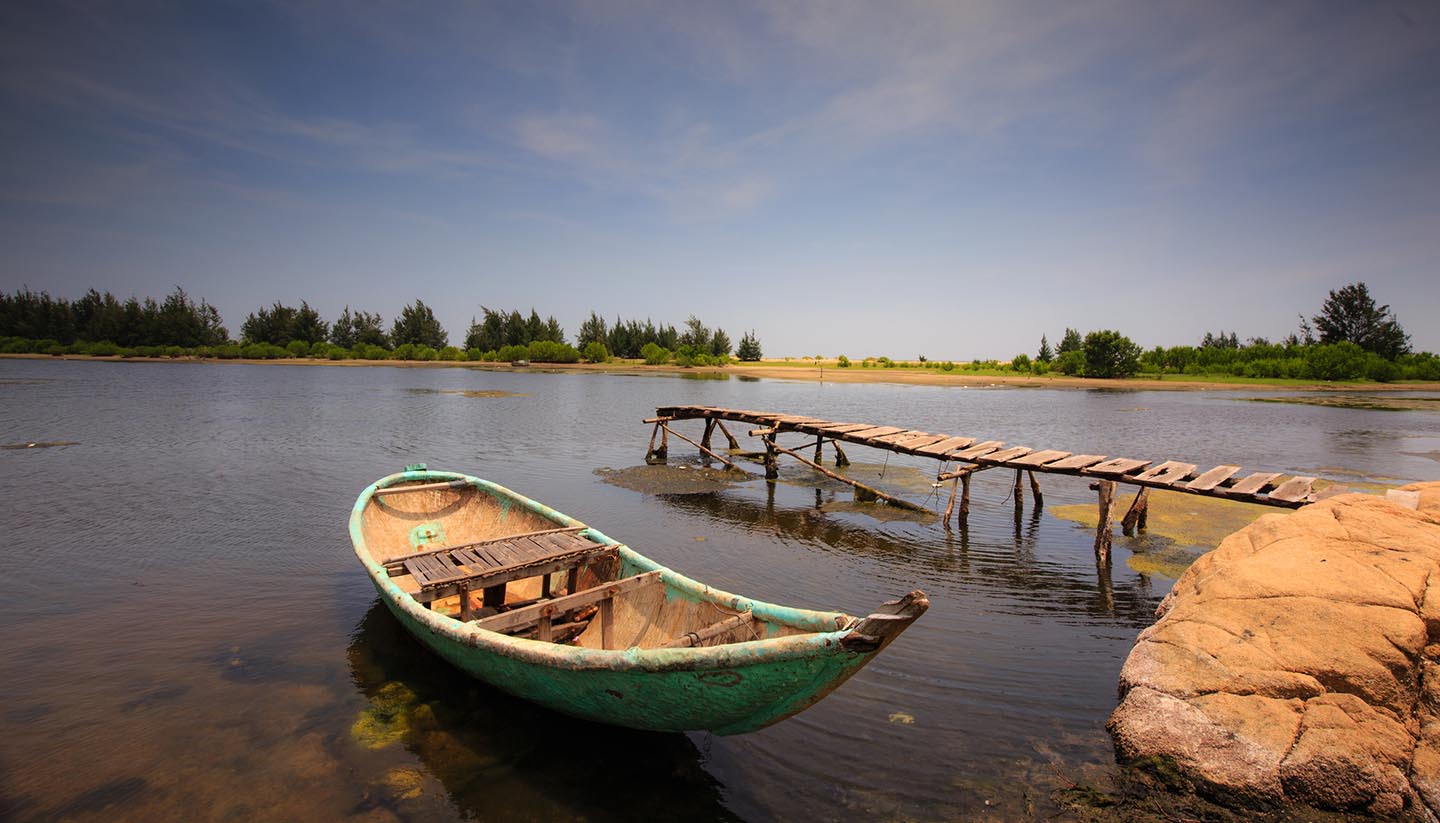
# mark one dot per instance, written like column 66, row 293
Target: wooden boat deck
column 1263, row 488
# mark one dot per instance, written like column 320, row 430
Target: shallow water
column 186, row 631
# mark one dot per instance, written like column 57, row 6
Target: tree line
column 100, row 324
column 1351, row 338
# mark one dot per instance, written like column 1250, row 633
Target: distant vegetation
column 101, row 325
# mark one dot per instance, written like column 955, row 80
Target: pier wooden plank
column 1039, row 458
column 1212, row 478
column 1075, row 463
column 872, row 433
column 914, row 445
column 976, row 450
column 1219, row 481
column 1252, row 484
column 996, row 458
column 948, row 445
column 1117, row 466
column 1293, row 490
column 844, row 428
column 899, row 437
column 1171, row 471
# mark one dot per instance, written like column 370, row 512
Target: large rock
column 1296, row 663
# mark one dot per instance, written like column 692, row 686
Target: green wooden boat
column 551, row 610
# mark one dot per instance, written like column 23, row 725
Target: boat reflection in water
column 499, row 757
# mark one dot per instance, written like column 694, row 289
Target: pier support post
column 772, row 469
column 734, row 444
column 841, row 461
column 709, row 430
column 964, row 516
column 1035, row 490
column 949, row 509
column 652, row 454
column 1019, row 489
column 819, row 442
column 1106, row 489
column 1136, row 515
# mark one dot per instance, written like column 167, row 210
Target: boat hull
column 725, row 689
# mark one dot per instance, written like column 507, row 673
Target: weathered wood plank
column 396, row 561
column 497, row 577
column 948, row 445
column 1251, row 485
column 1171, row 471
column 1075, row 463
column 1293, row 490
column 872, row 433
column 1212, row 478
column 1116, row 466
column 1039, row 458
column 996, row 458
column 976, row 450
column 895, row 439
column 914, row 444
column 842, row 428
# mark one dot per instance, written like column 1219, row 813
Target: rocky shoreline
column 1299, row 663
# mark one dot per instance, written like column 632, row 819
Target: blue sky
column 946, row 179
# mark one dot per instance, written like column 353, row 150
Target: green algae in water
column 662, row 478
column 388, row 719
column 1370, row 402
column 404, row 784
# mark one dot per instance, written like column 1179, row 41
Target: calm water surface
column 185, row 631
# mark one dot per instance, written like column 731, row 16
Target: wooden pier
column 973, row 455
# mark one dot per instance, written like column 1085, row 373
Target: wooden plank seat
column 396, row 565
column 493, row 564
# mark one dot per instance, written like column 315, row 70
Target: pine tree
column 1045, row 355
column 417, row 324
column 749, row 348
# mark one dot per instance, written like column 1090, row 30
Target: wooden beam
column 888, row 498
column 423, row 487
column 1106, row 489
column 695, row 638
column 1137, row 512
column 734, row 444
column 519, row 618
column 704, row 449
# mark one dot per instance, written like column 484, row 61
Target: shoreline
column 778, row 370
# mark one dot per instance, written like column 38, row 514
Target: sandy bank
column 826, row 372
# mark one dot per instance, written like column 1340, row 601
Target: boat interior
column 490, row 561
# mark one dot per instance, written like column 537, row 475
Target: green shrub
column 596, row 352
column 102, row 349
column 473, row 354
column 426, row 353
column 452, row 354
column 297, row 348
column 548, row 351
column 509, row 354
column 948, row 365
column 842, row 362
column 1020, row 362
column 654, row 354
column 1071, row 363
